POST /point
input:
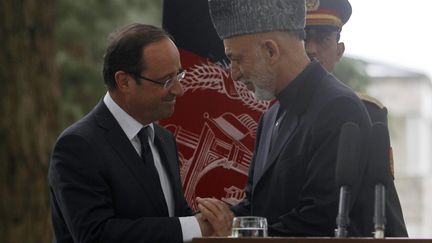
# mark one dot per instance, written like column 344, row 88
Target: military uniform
column 377, row 111
column 331, row 15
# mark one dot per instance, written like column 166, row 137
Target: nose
column 311, row 48
column 177, row 89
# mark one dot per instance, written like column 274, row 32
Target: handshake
column 215, row 218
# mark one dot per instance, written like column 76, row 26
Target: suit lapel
column 167, row 156
column 169, row 161
column 264, row 143
column 287, row 129
column 121, row 144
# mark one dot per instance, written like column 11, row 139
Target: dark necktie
column 146, row 153
column 147, row 157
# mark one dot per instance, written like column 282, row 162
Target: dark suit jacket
column 100, row 190
column 297, row 192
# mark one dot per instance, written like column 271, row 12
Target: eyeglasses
column 167, row 83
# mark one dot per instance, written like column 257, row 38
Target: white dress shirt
column 131, row 127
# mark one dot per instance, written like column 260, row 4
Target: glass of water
column 249, row 226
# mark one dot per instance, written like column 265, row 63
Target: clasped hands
column 215, row 218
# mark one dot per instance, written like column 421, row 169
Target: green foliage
column 352, row 72
column 81, row 32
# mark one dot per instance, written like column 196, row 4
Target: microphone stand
column 342, row 219
column 379, row 211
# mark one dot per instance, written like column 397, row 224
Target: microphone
column 347, row 169
column 379, row 143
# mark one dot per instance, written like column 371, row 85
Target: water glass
column 249, row 226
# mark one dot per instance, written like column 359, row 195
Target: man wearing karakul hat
column 292, row 175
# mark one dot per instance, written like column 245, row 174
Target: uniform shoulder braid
column 369, row 99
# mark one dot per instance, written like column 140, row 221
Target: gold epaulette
column 370, row 99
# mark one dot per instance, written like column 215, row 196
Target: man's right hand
column 205, row 226
column 218, row 214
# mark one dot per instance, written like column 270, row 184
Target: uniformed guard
column 324, row 22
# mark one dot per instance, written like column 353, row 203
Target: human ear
column 340, row 50
column 271, row 50
column 122, row 80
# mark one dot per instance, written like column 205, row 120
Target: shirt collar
column 288, row 95
column 130, row 126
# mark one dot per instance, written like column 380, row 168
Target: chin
column 167, row 114
column 263, row 95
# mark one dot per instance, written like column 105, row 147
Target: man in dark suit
column 114, row 175
column 324, row 22
column 292, row 175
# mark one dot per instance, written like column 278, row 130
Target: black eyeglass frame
column 167, row 82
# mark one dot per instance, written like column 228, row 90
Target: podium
column 307, row 240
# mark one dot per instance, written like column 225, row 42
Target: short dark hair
column 124, row 50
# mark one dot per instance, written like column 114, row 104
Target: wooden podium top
column 307, row 240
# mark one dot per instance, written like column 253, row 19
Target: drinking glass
column 249, row 226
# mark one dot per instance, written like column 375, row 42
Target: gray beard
column 262, row 94
column 264, row 81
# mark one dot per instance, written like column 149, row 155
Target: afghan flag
column 215, row 121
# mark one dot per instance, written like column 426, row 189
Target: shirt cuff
column 190, row 228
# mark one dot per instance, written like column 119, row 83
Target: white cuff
column 190, row 228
